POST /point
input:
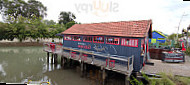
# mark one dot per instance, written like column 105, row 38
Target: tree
column 173, row 36
column 15, row 8
column 38, row 29
column 49, row 22
column 6, row 31
column 35, row 8
column 70, row 24
column 28, row 9
column 65, row 17
column 3, row 3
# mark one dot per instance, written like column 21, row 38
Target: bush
column 166, row 79
column 187, row 52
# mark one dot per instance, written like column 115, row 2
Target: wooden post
column 103, row 76
column 127, row 77
column 80, row 56
column 47, row 57
column 85, row 73
column 108, row 62
column 92, row 58
column 70, row 54
column 128, row 63
column 62, row 61
column 52, row 55
column 55, row 58
column 82, row 69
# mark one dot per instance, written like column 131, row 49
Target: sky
column 165, row 14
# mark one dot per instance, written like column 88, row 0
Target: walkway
column 181, row 69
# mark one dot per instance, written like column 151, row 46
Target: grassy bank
column 8, row 44
column 166, row 79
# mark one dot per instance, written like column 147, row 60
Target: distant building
column 158, row 37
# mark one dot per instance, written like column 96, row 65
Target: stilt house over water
column 119, row 40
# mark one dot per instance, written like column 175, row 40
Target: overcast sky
column 165, row 14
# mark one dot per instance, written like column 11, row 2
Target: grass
column 166, row 79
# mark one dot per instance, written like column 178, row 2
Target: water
column 21, row 64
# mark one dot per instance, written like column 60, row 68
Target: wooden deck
column 106, row 61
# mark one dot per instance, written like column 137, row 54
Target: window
column 98, row 39
column 112, row 40
column 67, row 37
column 72, row 37
column 129, row 42
column 87, row 38
column 76, row 38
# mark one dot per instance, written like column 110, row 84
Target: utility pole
column 187, row 40
column 179, row 25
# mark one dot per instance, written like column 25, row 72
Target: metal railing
column 117, row 63
column 52, row 47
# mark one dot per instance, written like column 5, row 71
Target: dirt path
column 181, row 69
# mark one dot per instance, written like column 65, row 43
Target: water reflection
column 27, row 50
column 21, row 64
column 2, row 72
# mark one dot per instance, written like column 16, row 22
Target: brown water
column 21, row 64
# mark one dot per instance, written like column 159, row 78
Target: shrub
column 166, row 79
column 187, row 51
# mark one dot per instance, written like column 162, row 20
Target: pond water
column 24, row 64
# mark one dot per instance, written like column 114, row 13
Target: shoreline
column 20, row 44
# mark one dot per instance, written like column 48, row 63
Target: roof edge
column 160, row 33
column 148, row 27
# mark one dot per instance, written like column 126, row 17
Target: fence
column 122, row 64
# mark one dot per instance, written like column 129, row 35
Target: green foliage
column 16, row 8
column 5, row 32
column 70, row 24
column 167, row 43
column 166, row 79
column 134, row 81
column 49, row 22
column 25, row 20
column 65, row 17
column 173, row 36
column 187, row 52
column 35, row 8
column 23, row 28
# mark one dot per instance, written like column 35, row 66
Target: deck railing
column 52, row 47
column 117, row 63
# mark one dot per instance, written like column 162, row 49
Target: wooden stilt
column 47, row 66
column 82, row 69
column 47, row 57
column 127, row 77
column 52, row 55
column 85, row 73
column 70, row 63
column 62, row 62
column 103, row 76
column 55, row 58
